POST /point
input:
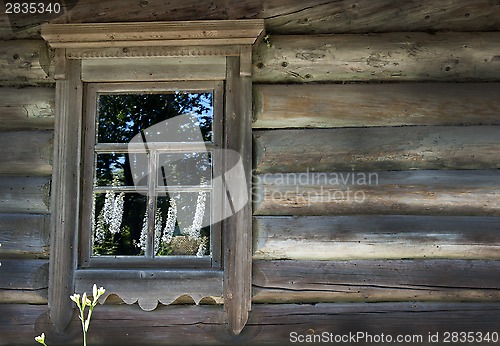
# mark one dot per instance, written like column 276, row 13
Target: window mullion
column 151, row 209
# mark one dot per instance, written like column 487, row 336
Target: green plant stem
column 82, row 318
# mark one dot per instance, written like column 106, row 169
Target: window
column 151, row 174
column 149, row 197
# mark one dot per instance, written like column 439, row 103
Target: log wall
column 414, row 102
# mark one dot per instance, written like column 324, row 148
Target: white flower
column 168, row 231
column 143, row 239
column 194, row 230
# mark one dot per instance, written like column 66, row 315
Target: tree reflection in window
column 119, row 207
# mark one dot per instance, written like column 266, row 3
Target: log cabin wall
column 376, row 179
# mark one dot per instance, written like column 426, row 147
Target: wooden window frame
column 148, row 52
column 92, row 90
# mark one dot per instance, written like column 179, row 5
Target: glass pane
column 185, row 224
column 121, row 117
column 114, row 170
column 118, row 222
column 185, row 169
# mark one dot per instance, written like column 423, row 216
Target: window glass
column 123, row 116
column 152, row 193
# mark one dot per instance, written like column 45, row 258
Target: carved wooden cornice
column 182, row 33
column 154, row 39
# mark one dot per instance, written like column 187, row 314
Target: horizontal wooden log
column 458, row 193
column 27, row 108
column 269, row 324
column 24, row 281
column 20, row 63
column 318, row 17
column 8, row 32
column 376, row 237
column 284, row 17
column 26, row 152
column 391, row 148
column 24, row 235
column 24, row 194
column 379, row 57
column 403, row 280
column 357, row 105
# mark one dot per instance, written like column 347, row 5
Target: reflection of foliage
column 123, row 116
column 120, row 118
column 169, row 240
column 106, row 242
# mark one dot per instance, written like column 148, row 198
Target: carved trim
column 146, row 52
column 150, row 287
column 185, row 33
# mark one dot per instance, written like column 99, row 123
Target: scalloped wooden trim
column 150, row 287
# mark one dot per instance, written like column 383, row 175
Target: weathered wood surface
column 27, row 108
column 24, row 281
column 379, row 57
column 24, row 235
column 352, row 105
column 24, row 194
column 268, row 324
column 20, row 63
column 238, row 227
column 316, row 17
column 373, row 149
column 374, row 281
column 459, row 193
column 26, row 152
column 285, row 17
column 65, row 191
column 148, row 288
column 154, row 69
column 376, row 237
column 337, row 58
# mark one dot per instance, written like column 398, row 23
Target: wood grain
column 374, row 281
column 26, row 153
column 24, row 194
column 269, row 324
column 65, row 189
column 238, row 227
column 24, row 235
column 318, row 17
column 20, row 63
column 374, row 149
column 153, row 69
column 459, row 193
column 284, row 17
column 358, row 105
column 23, row 281
column 379, row 57
column 376, row 237
column 27, row 108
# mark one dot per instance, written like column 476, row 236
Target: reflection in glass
column 122, row 116
column 185, row 169
column 117, row 223
column 182, row 218
column 113, row 170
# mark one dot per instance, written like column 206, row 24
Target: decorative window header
column 182, row 33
